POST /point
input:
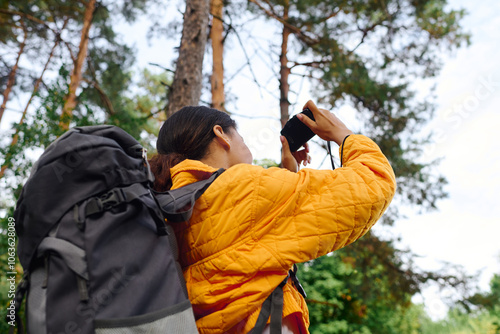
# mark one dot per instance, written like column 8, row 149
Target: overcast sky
column 466, row 228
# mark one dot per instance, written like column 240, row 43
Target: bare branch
column 35, row 90
column 13, row 72
column 369, row 29
column 271, row 7
column 314, row 301
column 162, row 67
column 306, row 76
column 326, row 18
column 295, row 30
column 314, row 64
column 152, row 114
column 247, row 59
column 255, row 117
column 102, row 94
column 26, row 16
column 45, row 24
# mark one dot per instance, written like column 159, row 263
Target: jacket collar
column 190, row 171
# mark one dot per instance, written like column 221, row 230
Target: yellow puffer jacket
column 253, row 224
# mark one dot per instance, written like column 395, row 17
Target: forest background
column 420, row 77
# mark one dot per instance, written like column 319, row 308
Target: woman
column 253, row 224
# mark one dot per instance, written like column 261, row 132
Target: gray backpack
column 96, row 252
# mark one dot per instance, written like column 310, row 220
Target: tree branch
column 13, row 72
column 162, row 67
column 104, row 97
column 151, row 114
column 295, row 30
column 271, row 7
column 15, row 138
column 306, row 76
column 76, row 74
column 29, row 17
column 247, row 58
column 25, row 15
column 314, row 64
column 366, row 30
column 326, row 18
column 255, row 117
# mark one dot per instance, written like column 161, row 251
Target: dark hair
column 185, row 135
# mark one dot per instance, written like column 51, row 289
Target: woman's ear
column 222, row 137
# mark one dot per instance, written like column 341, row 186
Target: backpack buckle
column 110, row 199
column 295, row 281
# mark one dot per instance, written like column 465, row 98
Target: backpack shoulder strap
column 273, row 305
column 177, row 205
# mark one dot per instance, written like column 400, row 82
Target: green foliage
column 489, row 301
column 8, row 25
column 367, row 287
column 266, row 163
column 104, row 95
column 131, row 9
column 37, row 132
column 479, row 313
column 460, row 322
column 43, row 126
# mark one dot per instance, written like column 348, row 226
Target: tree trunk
column 12, row 75
column 187, row 83
column 35, row 90
column 216, row 36
column 76, row 74
column 284, row 71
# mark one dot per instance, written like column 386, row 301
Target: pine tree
column 77, row 71
column 187, row 83
column 217, row 39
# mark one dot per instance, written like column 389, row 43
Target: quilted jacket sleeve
column 308, row 214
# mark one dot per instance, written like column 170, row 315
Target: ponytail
column 160, row 167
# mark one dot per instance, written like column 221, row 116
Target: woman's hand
column 326, row 125
column 292, row 161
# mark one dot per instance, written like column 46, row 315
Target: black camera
column 296, row 132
